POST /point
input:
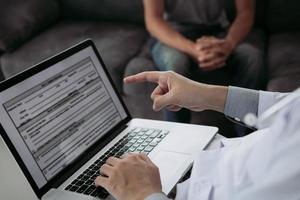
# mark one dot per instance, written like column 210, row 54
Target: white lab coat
column 263, row 165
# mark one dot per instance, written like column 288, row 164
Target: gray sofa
column 33, row 30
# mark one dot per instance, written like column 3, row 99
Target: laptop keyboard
column 140, row 140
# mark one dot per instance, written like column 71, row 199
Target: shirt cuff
column 240, row 102
column 157, row 196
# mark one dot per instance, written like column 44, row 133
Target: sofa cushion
column 20, row 20
column 283, row 16
column 117, row 43
column 120, row 10
column 284, row 62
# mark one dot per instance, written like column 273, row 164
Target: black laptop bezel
column 89, row 153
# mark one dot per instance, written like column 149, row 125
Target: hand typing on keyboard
column 132, row 176
column 138, row 140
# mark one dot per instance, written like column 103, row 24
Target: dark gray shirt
column 198, row 12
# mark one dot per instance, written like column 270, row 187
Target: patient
column 264, row 165
column 195, row 37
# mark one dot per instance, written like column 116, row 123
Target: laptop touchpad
column 172, row 166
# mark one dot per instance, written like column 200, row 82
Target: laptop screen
column 55, row 115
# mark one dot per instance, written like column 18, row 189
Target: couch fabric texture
column 20, row 20
column 116, row 42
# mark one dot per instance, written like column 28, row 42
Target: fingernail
column 154, row 107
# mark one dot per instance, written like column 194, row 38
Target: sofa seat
column 116, row 42
column 284, row 62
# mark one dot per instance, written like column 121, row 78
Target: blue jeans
column 245, row 65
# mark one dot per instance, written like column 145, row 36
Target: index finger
column 102, row 182
column 143, row 77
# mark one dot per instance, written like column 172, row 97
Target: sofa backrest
column 119, row 10
column 132, row 10
column 259, row 12
column 283, row 15
column 20, row 20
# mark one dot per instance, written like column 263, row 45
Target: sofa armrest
column 1, row 73
column 284, row 61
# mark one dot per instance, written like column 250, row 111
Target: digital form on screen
column 55, row 115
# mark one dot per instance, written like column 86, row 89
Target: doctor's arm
column 134, row 176
column 175, row 92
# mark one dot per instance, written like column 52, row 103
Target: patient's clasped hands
column 212, row 52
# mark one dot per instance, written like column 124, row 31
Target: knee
column 249, row 58
column 167, row 58
column 250, row 66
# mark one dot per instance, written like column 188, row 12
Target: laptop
column 62, row 119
